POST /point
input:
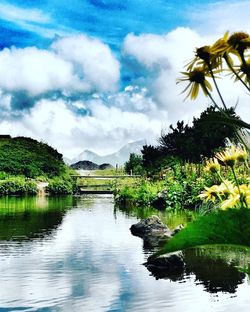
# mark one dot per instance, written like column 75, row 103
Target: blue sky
column 109, row 20
column 107, row 67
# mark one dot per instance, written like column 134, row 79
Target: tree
column 134, row 164
column 203, row 138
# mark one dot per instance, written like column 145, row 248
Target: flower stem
column 216, row 86
column 238, row 186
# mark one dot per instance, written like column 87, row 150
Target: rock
column 170, row 266
column 153, row 232
column 155, row 240
column 150, row 226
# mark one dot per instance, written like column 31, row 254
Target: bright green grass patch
column 111, row 171
column 222, row 227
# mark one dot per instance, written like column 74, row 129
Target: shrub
column 60, row 186
column 17, row 186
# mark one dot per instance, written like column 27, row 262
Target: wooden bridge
column 104, row 185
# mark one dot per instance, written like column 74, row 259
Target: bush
column 17, row 186
column 60, row 186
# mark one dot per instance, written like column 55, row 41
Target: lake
column 77, row 254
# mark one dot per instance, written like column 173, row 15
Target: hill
column 28, row 157
column 89, row 165
column 85, row 165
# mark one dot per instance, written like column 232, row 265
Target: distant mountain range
column 89, row 165
column 119, row 158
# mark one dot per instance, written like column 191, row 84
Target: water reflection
column 215, row 274
column 85, row 259
column 24, row 218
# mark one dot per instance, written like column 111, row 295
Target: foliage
column 60, row 185
column 139, row 192
column 202, row 139
column 229, row 193
column 28, row 157
column 17, row 186
column 182, row 185
column 134, row 165
column 179, row 188
column 190, row 143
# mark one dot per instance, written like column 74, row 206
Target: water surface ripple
column 77, row 254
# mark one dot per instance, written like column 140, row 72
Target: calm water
column 77, row 254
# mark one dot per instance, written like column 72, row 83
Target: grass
column 222, row 227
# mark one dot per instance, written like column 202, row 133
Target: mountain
column 85, row 165
column 89, row 165
column 119, row 158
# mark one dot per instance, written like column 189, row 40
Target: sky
column 98, row 74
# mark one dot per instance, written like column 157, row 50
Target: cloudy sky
column 97, row 74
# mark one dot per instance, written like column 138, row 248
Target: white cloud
column 77, row 64
column 221, row 16
column 36, row 71
column 162, row 51
column 93, row 59
column 163, row 57
column 16, row 14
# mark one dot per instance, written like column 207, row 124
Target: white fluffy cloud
column 36, row 71
column 163, row 57
column 75, row 64
column 219, row 17
column 93, row 59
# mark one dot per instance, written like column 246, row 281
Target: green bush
column 17, row 186
column 60, row 186
column 142, row 193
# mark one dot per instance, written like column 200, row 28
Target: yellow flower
column 228, row 157
column 232, row 201
column 221, row 46
column 202, row 58
column 212, row 165
column 241, row 154
column 240, row 195
column 239, row 41
column 244, row 192
column 197, row 80
column 226, row 188
column 210, row 193
column 243, row 71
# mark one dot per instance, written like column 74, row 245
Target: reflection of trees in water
column 215, row 274
column 32, row 217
